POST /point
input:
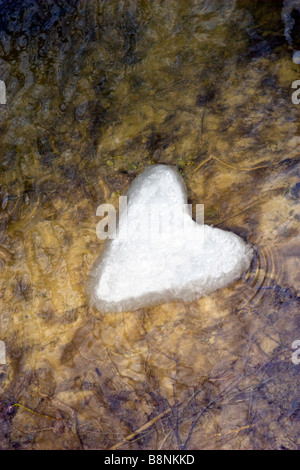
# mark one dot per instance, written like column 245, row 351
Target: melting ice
column 135, row 272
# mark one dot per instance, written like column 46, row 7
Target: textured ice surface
column 296, row 57
column 140, row 271
column 2, row 92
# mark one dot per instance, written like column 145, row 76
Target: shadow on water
column 96, row 91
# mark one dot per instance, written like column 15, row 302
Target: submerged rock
column 182, row 260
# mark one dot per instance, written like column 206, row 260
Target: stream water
column 97, row 91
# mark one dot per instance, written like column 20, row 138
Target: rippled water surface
column 97, row 91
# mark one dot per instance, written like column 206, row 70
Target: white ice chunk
column 2, row 353
column 296, row 57
column 2, row 92
column 135, row 272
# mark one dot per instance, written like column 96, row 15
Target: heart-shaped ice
column 152, row 262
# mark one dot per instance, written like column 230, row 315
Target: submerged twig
column 258, row 201
column 213, row 157
column 231, row 431
column 34, row 412
column 140, row 430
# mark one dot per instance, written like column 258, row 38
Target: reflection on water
column 96, row 91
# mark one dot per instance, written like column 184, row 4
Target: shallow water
column 97, row 91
